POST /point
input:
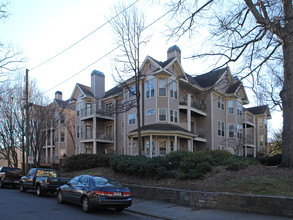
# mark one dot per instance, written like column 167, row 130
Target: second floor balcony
column 200, row 132
column 249, row 140
column 196, row 106
column 100, row 112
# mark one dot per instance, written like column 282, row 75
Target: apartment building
column 60, row 135
column 178, row 112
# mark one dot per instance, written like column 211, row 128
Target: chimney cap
column 58, row 93
column 175, row 47
column 97, row 72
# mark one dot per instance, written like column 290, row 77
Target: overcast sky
column 41, row 29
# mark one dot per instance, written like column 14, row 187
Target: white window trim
column 222, row 101
column 173, row 116
column 166, row 87
column 221, row 129
column 132, row 119
column 165, row 115
column 150, row 87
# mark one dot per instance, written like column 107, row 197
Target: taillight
column 103, row 193
column 4, row 176
column 126, row 194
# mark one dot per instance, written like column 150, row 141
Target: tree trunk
column 287, row 99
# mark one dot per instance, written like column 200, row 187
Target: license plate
column 117, row 193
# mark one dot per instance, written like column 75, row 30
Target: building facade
column 178, row 112
column 60, row 136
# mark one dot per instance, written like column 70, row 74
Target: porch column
column 245, row 153
column 175, row 143
column 188, row 112
column 151, row 146
column 46, row 155
column 131, row 146
column 254, row 151
column 95, row 135
column 51, row 155
column 191, row 145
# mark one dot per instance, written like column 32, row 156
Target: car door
column 68, row 189
column 29, row 178
column 81, row 188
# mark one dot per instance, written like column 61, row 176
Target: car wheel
column 39, row 191
column 119, row 209
column 85, row 204
column 60, row 197
column 21, row 187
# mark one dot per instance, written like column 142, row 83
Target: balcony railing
column 249, row 139
column 200, row 132
column 196, row 104
column 103, row 135
column 100, row 111
column 249, row 118
column 86, row 135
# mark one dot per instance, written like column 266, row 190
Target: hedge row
column 179, row 164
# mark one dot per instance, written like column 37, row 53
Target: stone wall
column 272, row 205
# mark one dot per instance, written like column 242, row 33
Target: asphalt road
column 15, row 205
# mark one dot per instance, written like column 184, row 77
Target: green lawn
column 262, row 185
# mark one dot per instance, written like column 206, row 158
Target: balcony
column 249, row 140
column 248, row 119
column 197, row 107
column 100, row 112
column 102, row 135
column 200, row 132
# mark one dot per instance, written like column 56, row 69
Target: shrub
column 271, row 161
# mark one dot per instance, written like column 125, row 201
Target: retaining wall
column 273, row 205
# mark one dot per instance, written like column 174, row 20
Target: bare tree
column 11, row 122
column 128, row 29
column 252, row 34
column 9, row 58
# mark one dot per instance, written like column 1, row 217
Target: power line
column 104, row 55
column 77, row 42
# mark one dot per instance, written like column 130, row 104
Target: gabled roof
column 233, row 87
column 259, row 110
column 63, row 104
column 165, row 63
column 86, row 90
column 209, row 79
column 115, row 90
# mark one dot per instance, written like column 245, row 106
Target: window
column 56, row 136
column 231, row 130
column 221, row 128
column 221, row 102
column 173, row 116
column 77, row 131
column 88, row 109
column 239, row 131
column 231, row 106
column 122, row 127
column 88, row 150
column 150, row 88
column 173, row 89
column 260, row 123
column 162, row 114
column 131, row 119
column 239, row 108
column 62, row 135
column 150, row 112
column 77, row 113
column 162, row 146
column 162, row 87
column 261, row 140
column 62, row 119
column 132, row 91
column 171, row 145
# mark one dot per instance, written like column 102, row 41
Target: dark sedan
column 95, row 192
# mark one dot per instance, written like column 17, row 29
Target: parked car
column 10, row 176
column 42, row 180
column 95, row 192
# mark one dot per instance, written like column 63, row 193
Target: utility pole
column 27, row 116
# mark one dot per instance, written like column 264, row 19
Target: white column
column 51, row 155
column 151, row 146
column 131, row 146
column 46, row 154
column 191, row 144
column 94, row 135
column 188, row 112
column 175, row 143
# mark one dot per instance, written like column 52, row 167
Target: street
column 15, row 205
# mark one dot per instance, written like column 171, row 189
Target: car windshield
column 10, row 169
column 46, row 173
column 101, row 181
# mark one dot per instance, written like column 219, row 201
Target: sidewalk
column 167, row 210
